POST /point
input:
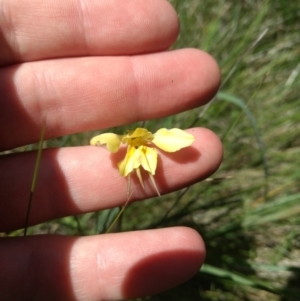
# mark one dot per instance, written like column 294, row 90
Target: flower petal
column 172, row 140
column 135, row 157
column 141, row 133
column 138, row 137
column 149, row 159
column 129, row 163
column 111, row 140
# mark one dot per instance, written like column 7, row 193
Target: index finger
column 56, row 28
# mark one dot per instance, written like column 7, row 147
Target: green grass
column 248, row 214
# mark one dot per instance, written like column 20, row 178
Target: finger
column 107, row 267
column 82, row 179
column 80, row 28
column 84, row 94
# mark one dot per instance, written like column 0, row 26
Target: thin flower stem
column 34, row 179
column 116, row 218
column 124, row 206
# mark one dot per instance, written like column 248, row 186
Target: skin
column 68, row 64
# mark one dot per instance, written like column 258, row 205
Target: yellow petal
column 111, row 140
column 138, row 137
column 135, row 157
column 142, row 133
column 172, row 140
column 127, row 165
column 149, row 159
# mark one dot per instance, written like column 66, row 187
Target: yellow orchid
column 140, row 150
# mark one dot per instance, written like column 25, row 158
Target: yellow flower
column 140, row 148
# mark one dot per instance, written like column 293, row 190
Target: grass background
column 248, row 212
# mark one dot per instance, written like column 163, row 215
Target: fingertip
column 170, row 22
column 208, row 143
column 190, row 238
column 207, row 75
column 167, row 268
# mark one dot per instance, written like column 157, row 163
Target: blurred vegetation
column 248, row 212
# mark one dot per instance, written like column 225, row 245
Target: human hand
column 80, row 66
